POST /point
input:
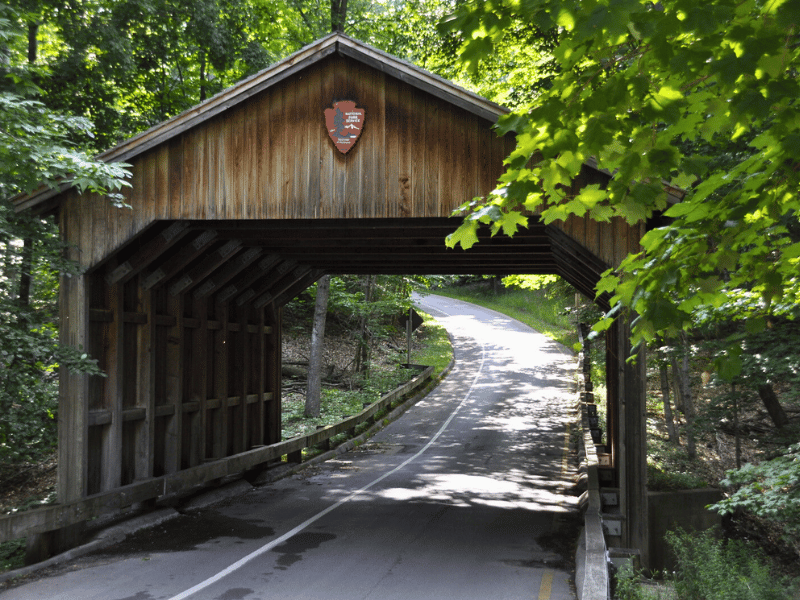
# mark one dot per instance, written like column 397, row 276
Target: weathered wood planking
column 270, row 157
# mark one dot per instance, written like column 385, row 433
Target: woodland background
column 701, row 97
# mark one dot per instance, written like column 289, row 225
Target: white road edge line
column 289, row 534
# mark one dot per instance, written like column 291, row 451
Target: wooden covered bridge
column 244, row 201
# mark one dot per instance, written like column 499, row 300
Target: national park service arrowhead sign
column 344, row 123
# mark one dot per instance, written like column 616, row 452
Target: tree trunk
column 774, row 408
column 25, row 275
column 338, row 15
column 33, row 41
column 676, row 381
column 314, row 390
column 683, row 382
column 362, row 349
column 202, row 76
column 673, row 437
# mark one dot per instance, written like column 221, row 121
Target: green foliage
column 436, row 349
column 35, row 149
column 529, row 282
column 697, row 95
column 336, row 404
column 628, row 586
column 712, row 568
column 12, row 554
column 545, row 309
column 770, row 490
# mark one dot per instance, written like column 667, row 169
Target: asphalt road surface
column 465, row 497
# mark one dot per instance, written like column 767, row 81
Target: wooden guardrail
column 57, row 516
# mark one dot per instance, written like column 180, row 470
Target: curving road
column 465, row 497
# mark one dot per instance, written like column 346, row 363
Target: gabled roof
column 333, row 44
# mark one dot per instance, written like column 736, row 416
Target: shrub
column 710, row 568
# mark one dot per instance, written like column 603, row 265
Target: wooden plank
column 205, row 267
column 304, row 121
column 272, row 375
column 202, row 377
column 230, row 270
column 296, row 288
column 185, row 255
column 161, row 183
column 408, row 131
column 99, row 417
column 293, row 154
column 148, row 253
column 218, row 355
column 258, row 348
column 139, row 362
column 174, row 385
column 261, row 155
column 457, row 165
column 73, row 387
column 277, row 149
column 328, row 160
column 238, row 372
column 249, row 159
column 281, row 286
column 247, row 278
column 111, row 476
column 175, row 178
column 199, row 179
column 233, row 172
column 389, row 201
column 372, row 143
column 428, row 202
column 315, row 130
column 445, row 193
column 487, row 172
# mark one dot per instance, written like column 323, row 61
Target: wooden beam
column 209, row 264
column 184, row 256
column 248, row 277
column 297, row 287
column 231, row 270
column 284, row 284
column 111, row 475
column 263, row 284
column 176, row 338
column 150, row 252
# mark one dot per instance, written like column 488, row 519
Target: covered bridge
column 244, row 201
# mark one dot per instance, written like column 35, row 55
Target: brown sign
column 344, row 123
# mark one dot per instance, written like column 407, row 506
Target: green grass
column 337, row 404
column 12, row 554
column 543, row 311
column 436, row 350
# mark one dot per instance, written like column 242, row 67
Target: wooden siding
column 271, row 158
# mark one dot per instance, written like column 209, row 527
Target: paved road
column 465, row 497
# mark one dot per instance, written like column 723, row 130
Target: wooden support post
column 219, row 368
column 258, row 343
column 201, row 372
column 632, row 463
column 174, row 385
column 240, row 379
column 272, row 367
column 111, row 475
column 73, row 410
column 145, row 387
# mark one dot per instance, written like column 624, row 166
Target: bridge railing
column 591, row 575
column 57, row 516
